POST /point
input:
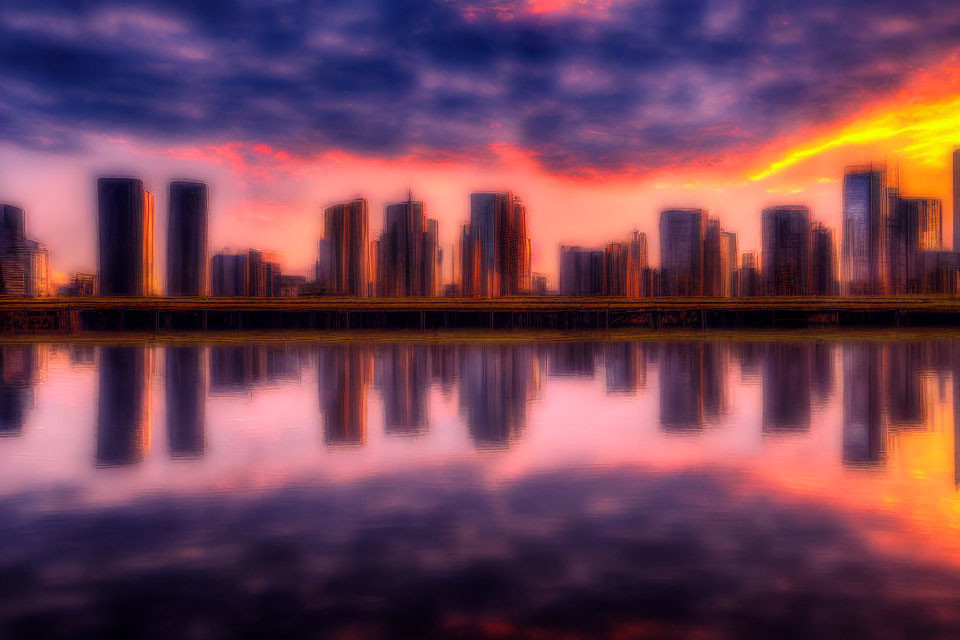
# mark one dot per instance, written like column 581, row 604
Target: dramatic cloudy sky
column 598, row 113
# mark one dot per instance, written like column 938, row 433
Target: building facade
column 581, row 271
column 681, row 251
column 125, row 237
column 495, row 247
column 346, row 232
column 863, row 255
column 408, row 252
column 785, row 261
column 187, row 239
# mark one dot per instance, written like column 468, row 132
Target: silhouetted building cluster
column 247, row 273
column 24, row 263
column 616, row 270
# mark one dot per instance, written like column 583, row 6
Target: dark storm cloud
column 643, row 84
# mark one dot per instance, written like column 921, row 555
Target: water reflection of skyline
column 884, row 388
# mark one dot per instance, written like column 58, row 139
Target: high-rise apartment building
column 823, row 262
column 125, row 237
column 495, row 247
column 681, row 251
column 581, row 271
column 863, row 255
column 187, row 239
column 346, row 231
column 914, row 226
column 24, row 263
column 785, row 261
column 408, row 253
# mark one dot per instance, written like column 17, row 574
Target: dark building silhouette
column 344, row 375
column 123, row 409
column 125, row 237
column 749, row 278
column 956, row 199
column 785, row 269
column 914, row 226
column 863, row 256
column 496, row 384
column 495, row 247
column 681, row 386
column 249, row 273
column 717, row 259
column 864, row 432
column 823, row 263
column 681, row 251
column 581, row 271
column 408, row 256
column 81, row 284
column 625, row 367
column 731, row 258
column 786, row 387
column 187, row 239
column 18, row 370
column 24, row 263
column 347, row 240
column 185, row 384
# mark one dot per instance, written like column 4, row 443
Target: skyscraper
column 731, row 263
column 495, row 249
column 187, row 239
column 714, row 259
column 914, row 226
column 581, row 271
column 865, row 211
column 681, row 251
column 749, row 284
column 823, row 263
column 346, row 231
column 956, row 199
column 125, row 237
column 408, row 252
column 785, row 262
column 24, row 263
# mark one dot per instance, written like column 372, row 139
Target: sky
column 598, row 113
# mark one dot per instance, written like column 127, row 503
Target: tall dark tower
column 125, row 236
column 187, row 239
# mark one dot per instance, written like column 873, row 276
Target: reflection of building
column 625, row 367
column 786, row 387
column 572, row 359
column 346, row 239
column 444, row 365
column 344, row 374
column 241, row 368
column 865, row 212
column 496, row 383
column 903, row 395
column 185, row 381
column 187, row 239
column 18, row 370
column 494, row 247
column 123, row 429
column 822, row 379
column 681, row 251
column 403, row 377
column 786, row 251
column 864, row 435
column 714, row 380
column 125, row 236
column 681, row 384
column 24, row 263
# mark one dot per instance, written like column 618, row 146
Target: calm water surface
column 799, row 487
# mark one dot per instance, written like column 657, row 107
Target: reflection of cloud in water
column 436, row 554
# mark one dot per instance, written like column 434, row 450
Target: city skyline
column 793, row 94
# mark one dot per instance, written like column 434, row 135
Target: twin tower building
column 125, row 213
